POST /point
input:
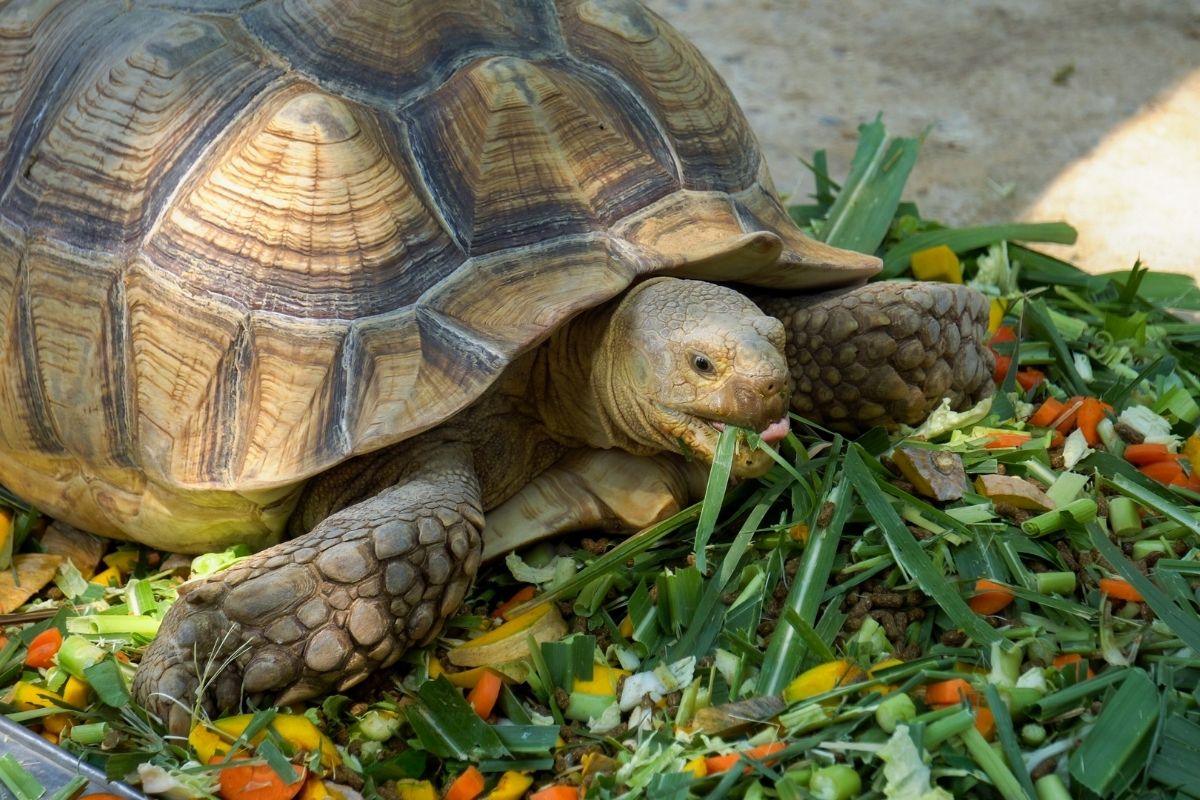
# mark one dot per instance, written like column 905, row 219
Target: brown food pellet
column 953, row 638
column 1043, row 769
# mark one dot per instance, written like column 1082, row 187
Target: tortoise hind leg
column 885, row 353
column 322, row 611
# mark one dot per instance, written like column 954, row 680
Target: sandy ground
column 1082, row 110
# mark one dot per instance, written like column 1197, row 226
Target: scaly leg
column 608, row 489
column 322, row 611
column 885, row 353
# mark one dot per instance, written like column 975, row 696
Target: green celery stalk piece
column 910, row 555
column 863, row 211
column 1115, row 750
column 18, row 780
column 960, row 240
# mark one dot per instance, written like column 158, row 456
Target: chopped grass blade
column 863, row 211
column 1113, row 753
column 1183, row 623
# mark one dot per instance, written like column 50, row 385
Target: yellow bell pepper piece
column 295, row 729
column 27, row 697
column 6, row 529
column 435, row 668
column 512, row 786
column 107, row 577
column 1191, row 451
column 56, row 723
column 822, row 678
column 937, row 264
column 316, row 789
column 626, row 626
column 887, row 663
column 76, row 692
column 996, row 310
column 697, row 767
column 604, row 681
column 123, row 561
column 510, row 641
column 415, row 790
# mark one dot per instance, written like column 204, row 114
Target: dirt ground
column 1039, row 109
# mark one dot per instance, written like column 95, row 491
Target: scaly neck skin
column 579, row 390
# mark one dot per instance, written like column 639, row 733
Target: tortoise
column 334, row 280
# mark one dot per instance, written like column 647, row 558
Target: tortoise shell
column 241, row 242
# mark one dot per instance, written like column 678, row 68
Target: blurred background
column 1078, row 110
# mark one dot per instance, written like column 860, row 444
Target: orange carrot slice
column 990, row 597
column 1120, row 589
column 1143, row 454
column 486, row 692
column 1046, row 413
column 722, row 763
column 43, row 648
column 522, row 595
column 256, row 782
column 467, row 786
column 1163, row 471
column 949, row 692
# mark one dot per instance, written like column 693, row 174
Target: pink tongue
column 773, row 433
column 776, row 431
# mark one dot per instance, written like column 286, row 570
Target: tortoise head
column 689, row 358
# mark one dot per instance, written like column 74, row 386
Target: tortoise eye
column 702, row 364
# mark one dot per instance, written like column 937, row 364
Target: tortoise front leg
column 322, row 611
column 588, row 489
column 885, row 353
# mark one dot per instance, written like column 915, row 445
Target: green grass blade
column 714, row 492
column 863, row 211
column 910, row 556
column 785, row 652
column 961, row 240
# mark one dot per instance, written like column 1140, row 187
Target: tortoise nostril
column 770, row 387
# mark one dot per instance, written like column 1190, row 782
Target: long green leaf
column 960, row 240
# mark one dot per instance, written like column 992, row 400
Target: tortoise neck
column 578, row 386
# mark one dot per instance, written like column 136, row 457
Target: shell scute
column 521, row 153
column 386, row 52
column 710, row 135
column 305, row 209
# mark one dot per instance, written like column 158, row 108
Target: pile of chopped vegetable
column 999, row 603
